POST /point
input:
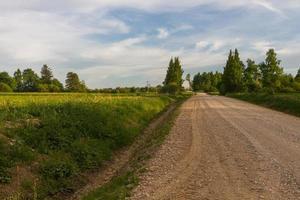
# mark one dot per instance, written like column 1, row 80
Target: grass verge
column 47, row 140
column 120, row 187
column 287, row 102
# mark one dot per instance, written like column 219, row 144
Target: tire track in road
column 221, row 148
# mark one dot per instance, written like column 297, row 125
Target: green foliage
column 289, row 103
column 90, row 153
column 5, row 88
column 207, row 82
column 21, row 153
column 271, row 71
column 5, row 163
column 233, row 73
column 46, row 74
column 30, row 81
column 56, row 173
column 119, row 188
column 73, row 83
column 173, row 81
column 70, row 132
column 267, row 77
column 18, row 79
column 8, row 81
column 297, row 77
column 252, row 77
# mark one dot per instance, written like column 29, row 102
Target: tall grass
column 62, row 135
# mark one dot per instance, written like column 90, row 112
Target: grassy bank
column 47, row 140
column 120, row 187
column 287, row 102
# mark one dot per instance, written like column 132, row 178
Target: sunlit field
column 47, row 140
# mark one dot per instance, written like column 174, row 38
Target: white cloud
column 162, row 33
column 35, row 32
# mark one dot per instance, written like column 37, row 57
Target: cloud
column 99, row 40
column 162, row 33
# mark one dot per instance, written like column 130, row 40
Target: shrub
column 21, row 153
column 56, row 175
column 90, row 153
column 5, row 163
column 5, row 88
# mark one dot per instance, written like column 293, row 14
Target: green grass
column 286, row 102
column 62, row 135
column 121, row 186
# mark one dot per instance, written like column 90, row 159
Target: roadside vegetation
column 47, row 141
column 121, row 186
column 285, row 102
column 264, row 84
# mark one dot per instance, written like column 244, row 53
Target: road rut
column 222, row 148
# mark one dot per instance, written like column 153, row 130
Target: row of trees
column 267, row 76
column 29, row 81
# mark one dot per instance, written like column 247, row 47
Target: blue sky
column 113, row 43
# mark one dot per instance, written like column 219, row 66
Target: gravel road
column 222, row 148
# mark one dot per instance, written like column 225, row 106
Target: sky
column 112, row 43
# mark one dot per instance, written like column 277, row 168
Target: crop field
column 48, row 140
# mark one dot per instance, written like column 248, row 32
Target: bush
column 90, row 153
column 56, row 175
column 58, row 167
column 296, row 86
column 5, row 88
column 21, row 153
column 5, row 163
column 171, row 88
column 287, row 90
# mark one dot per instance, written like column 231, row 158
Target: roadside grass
column 284, row 102
column 120, row 187
column 62, row 135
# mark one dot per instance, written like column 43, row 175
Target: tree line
column 267, row 76
column 29, row 81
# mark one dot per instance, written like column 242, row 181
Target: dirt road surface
column 222, row 148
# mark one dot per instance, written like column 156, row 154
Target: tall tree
column 173, row 81
column 30, row 81
column 271, row 71
column 73, row 83
column 297, row 77
column 8, row 80
column 252, row 76
column 178, row 72
column 46, row 74
column 188, row 79
column 19, row 80
column 170, row 73
column 233, row 73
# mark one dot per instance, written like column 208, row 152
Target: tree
column 188, row 79
column 5, row 88
column 207, row 82
column 73, row 83
column 233, row 73
column 173, row 77
column 56, row 85
column 7, row 79
column 30, row 81
column 271, row 71
column 252, row 76
column 19, row 80
column 46, row 74
column 297, row 77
